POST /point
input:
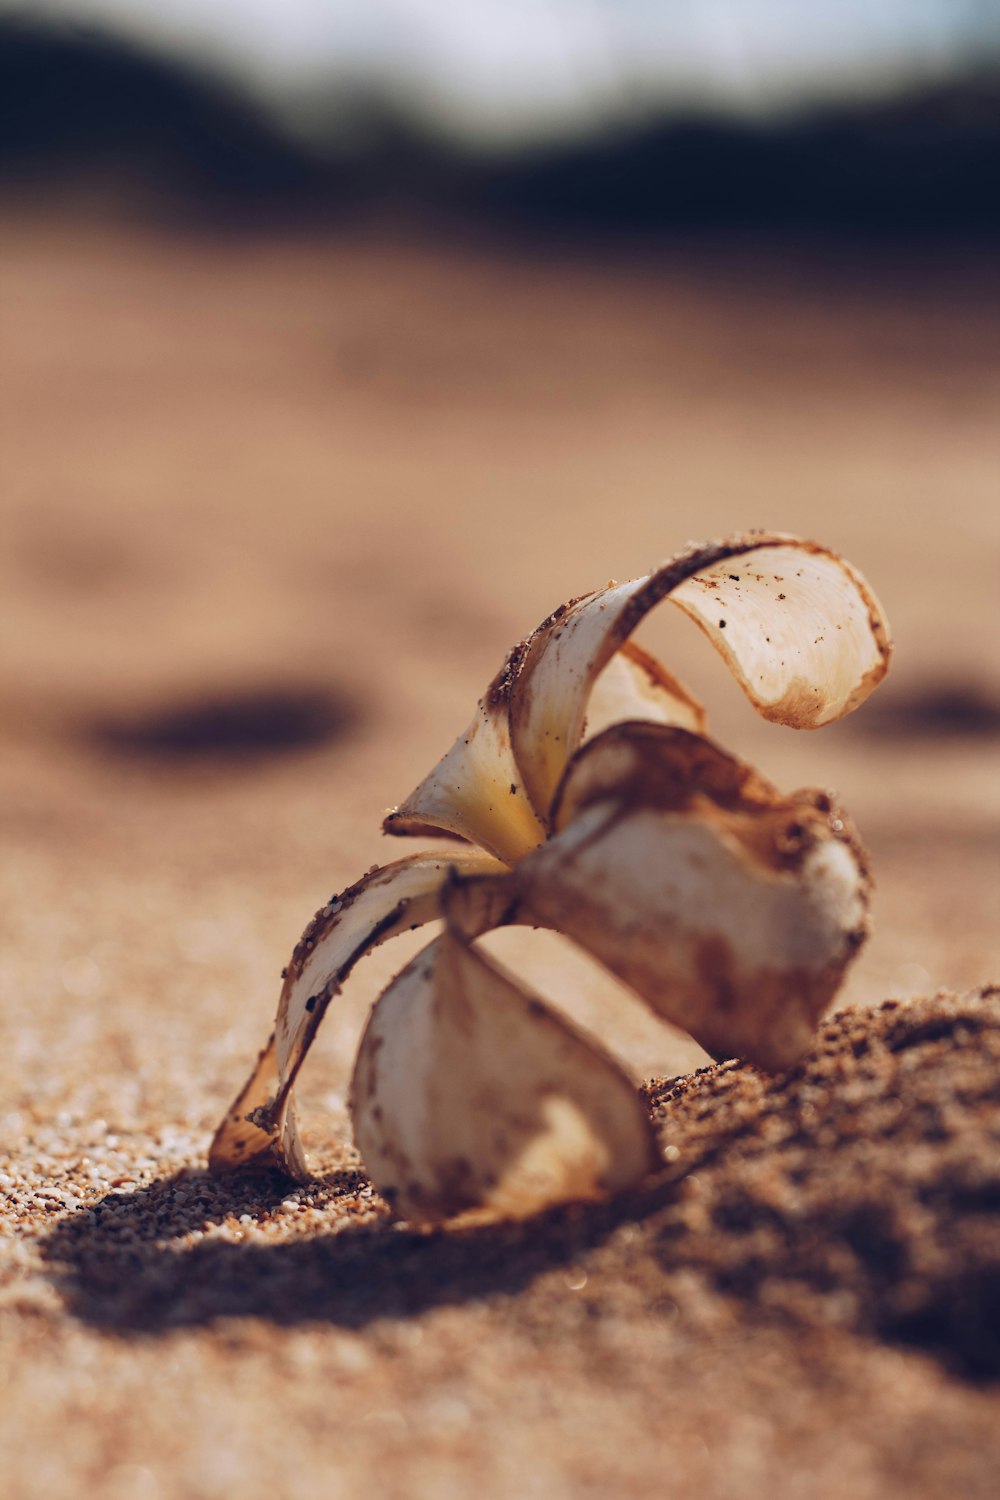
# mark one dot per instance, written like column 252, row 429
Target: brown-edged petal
column 731, row 909
column 469, row 1094
column 800, row 629
column 798, row 626
column 386, row 902
column 634, row 685
column 476, row 791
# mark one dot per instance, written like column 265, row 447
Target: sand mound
column 858, row 1192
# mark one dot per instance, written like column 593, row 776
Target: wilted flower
column 601, row 811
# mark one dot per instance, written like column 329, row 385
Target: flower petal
column 476, row 791
column 239, row 1140
column 799, row 628
column 634, row 685
column 389, row 900
column 731, row 909
column 471, row 1095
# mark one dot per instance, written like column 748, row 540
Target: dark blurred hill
column 925, row 161
column 80, row 104
column 81, row 107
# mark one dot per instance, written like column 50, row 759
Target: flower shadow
column 148, row 1262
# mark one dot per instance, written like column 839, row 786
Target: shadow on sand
column 857, row 1194
column 126, row 1266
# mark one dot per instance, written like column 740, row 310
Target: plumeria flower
column 588, row 799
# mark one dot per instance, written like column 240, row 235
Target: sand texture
column 273, row 511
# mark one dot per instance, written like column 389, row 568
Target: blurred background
column 341, row 342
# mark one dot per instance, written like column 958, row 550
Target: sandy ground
column 326, row 485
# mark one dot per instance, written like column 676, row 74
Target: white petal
column 732, row 910
column 634, row 685
column 388, row 901
column 239, row 1140
column 471, row 1095
column 800, row 629
column 798, row 626
column 476, row 791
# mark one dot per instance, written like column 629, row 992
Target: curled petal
column 634, row 685
column 240, row 1139
column 801, row 631
column 386, row 902
column 731, row 909
column 799, row 628
column 471, row 1095
column 476, row 791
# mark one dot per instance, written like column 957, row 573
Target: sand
column 326, row 485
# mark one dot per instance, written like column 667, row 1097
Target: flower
column 600, row 809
